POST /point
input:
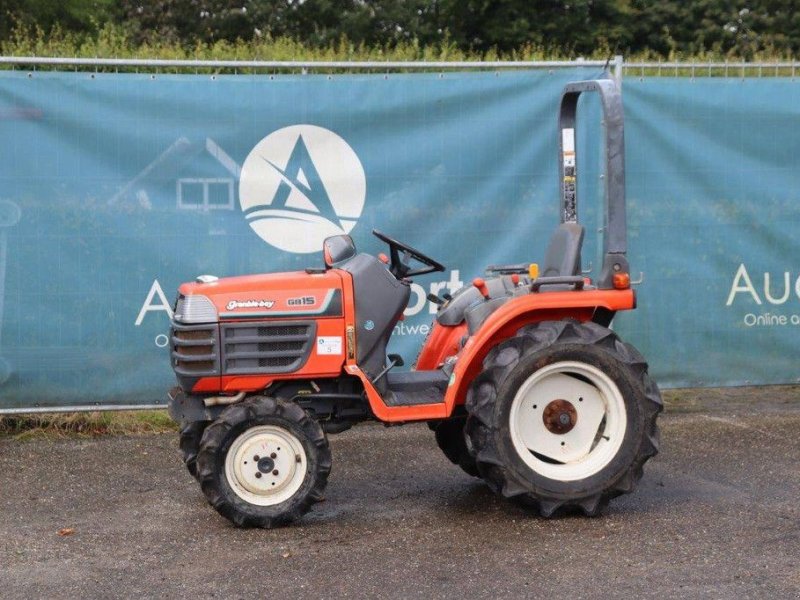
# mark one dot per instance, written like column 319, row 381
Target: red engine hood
column 272, row 295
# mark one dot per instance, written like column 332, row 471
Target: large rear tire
column 563, row 416
column 264, row 462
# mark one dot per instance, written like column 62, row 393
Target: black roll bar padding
column 615, row 241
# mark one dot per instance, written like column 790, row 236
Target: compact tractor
column 521, row 379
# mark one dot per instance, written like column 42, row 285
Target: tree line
column 563, row 28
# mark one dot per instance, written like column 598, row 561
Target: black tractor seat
column 561, row 271
column 563, row 256
column 562, row 262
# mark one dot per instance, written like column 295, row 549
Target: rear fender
column 519, row 312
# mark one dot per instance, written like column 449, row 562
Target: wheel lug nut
column 273, row 455
column 275, row 472
column 258, row 475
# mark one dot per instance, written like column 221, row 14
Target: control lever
column 480, row 284
column 435, row 299
column 395, row 360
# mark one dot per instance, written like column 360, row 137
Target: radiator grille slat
column 245, row 339
column 266, row 348
column 283, row 330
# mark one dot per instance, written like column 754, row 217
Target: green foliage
column 79, row 16
column 412, row 29
column 742, row 29
column 117, row 42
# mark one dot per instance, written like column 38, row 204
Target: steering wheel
column 402, row 253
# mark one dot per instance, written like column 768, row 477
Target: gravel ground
column 716, row 516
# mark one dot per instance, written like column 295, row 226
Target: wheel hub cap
column 559, row 416
column 265, row 465
column 567, row 420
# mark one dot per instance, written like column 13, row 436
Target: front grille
column 194, row 349
column 279, row 348
column 275, row 330
column 276, row 362
column 282, row 346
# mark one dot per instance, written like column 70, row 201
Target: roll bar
column 615, row 243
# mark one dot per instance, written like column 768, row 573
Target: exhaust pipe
column 223, row 400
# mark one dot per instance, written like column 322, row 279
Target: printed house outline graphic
column 200, row 174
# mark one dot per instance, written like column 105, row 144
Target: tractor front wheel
column 264, row 462
column 563, row 416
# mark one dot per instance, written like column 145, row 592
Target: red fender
column 524, row 310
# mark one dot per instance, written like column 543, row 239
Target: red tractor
column 521, row 379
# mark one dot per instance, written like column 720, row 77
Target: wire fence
column 34, row 63
column 710, row 69
column 617, row 65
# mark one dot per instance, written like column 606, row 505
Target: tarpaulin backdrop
column 115, row 188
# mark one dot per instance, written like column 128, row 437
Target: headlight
column 195, row 309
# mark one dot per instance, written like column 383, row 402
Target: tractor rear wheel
column 450, row 438
column 563, row 416
column 264, row 462
column 190, row 436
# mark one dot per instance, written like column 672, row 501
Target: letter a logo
column 301, row 184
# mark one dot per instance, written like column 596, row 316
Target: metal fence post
column 618, row 63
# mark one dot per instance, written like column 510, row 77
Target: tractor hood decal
column 291, row 294
column 234, row 304
column 328, row 305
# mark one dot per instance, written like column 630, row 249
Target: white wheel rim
column 265, row 465
column 596, row 433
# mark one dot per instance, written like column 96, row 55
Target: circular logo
column 301, row 184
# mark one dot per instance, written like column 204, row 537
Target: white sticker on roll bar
column 568, row 139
